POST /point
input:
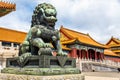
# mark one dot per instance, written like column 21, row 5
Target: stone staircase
column 88, row 65
column 102, row 74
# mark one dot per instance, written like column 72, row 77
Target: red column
column 95, row 55
column 102, row 56
column 80, row 53
column 87, row 54
column 74, row 53
column 90, row 55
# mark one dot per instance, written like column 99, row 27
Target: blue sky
column 99, row 18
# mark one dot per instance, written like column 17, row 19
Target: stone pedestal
column 43, row 61
column 42, row 65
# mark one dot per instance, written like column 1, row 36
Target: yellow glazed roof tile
column 116, row 51
column 110, row 53
column 6, row 8
column 117, row 40
column 83, row 38
column 115, row 45
column 11, row 35
column 16, row 36
column 68, row 41
column 113, row 41
column 7, row 5
column 63, row 37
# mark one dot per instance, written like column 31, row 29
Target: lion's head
column 44, row 14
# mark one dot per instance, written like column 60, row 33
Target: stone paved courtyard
column 87, row 76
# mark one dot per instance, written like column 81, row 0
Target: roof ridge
column 8, row 5
column 13, row 30
column 71, row 40
column 111, row 53
column 98, row 42
column 117, row 40
column 74, row 31
column 64, row 32
column 6, row 2
column 85, row 35
column 112, row 38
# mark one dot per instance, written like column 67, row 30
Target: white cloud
column 99, row 18
column 19, row 19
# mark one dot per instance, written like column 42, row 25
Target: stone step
column 102, row 74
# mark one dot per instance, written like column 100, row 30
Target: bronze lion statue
column 42, row 33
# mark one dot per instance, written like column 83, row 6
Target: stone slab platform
column 31, row 77
column 41, row 71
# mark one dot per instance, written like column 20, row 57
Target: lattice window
column 8, row 44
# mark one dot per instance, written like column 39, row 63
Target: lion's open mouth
column 51, row 24
column 50, row 19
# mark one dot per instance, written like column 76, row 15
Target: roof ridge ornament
column 6, row 7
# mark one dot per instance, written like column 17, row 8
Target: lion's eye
column 50, row 12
